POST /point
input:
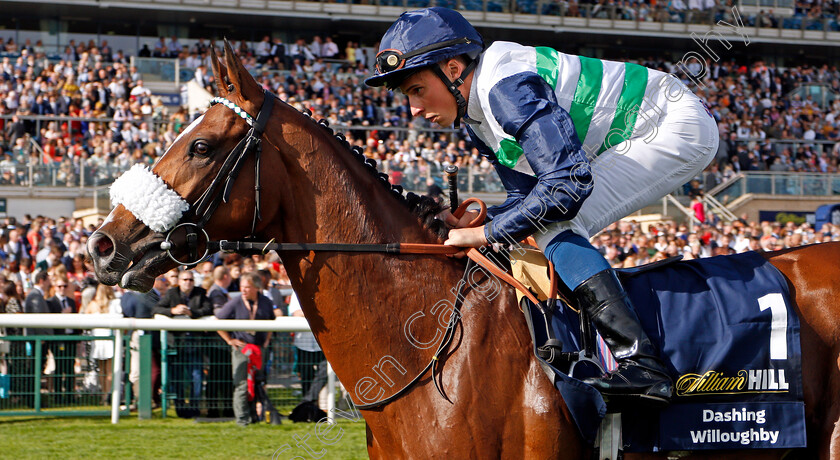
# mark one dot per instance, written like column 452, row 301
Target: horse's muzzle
column 103, row 252
column 133, row 268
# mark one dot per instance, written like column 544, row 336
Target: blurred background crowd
column 114, row 121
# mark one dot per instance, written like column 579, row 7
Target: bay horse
column 498, row 403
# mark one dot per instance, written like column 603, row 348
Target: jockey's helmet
column 421, row 38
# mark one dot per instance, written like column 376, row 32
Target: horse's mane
column 424, row 208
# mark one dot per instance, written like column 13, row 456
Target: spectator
column 191, row 302
column 251, row 305
column 309, row 357
column 698, row 207
column 104, row 302
column 271, row 291
column 64, row 351
column 263, row 50
column 36, row 302
column 218, row 292
column 315, row 47
column 278, row 54
column 329, row 49
column 139, row 91
column 20, row 363
column 174, row 47
column 298, row 50
column 140, row 305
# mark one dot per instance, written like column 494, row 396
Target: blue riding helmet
column 421, row 38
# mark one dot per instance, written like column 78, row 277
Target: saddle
column 713, row 320
column 530, row 267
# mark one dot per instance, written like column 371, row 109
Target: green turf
column 96, row 437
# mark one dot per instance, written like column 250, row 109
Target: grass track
column 95, row 438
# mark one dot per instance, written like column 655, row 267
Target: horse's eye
column 200, row 148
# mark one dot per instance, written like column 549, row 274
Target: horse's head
column 126, row 249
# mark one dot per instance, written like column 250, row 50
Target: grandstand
column 89, row 88
column 749, row 44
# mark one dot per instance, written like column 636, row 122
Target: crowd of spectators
column 811, row 15
column 43, row 270
column 115, row 121
column 627, row 243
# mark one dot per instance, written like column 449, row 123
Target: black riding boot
column 640, row 374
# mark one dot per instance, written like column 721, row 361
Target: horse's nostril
column 104, row 246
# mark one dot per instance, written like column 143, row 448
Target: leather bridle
column 202, row 210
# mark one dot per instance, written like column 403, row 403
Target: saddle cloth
column 730, row 338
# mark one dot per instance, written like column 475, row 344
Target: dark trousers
column 219, row 391
column 21, row 374
column 308, row 363
column 188, row 374
column 64, row 378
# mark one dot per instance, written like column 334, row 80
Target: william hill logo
column 746, row 381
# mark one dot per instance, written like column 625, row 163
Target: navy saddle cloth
column 730, row 338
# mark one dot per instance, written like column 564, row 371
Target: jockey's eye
column 200, row 148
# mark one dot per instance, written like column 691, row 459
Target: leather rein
column 204, row 207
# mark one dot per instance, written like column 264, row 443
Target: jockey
column 577, row 142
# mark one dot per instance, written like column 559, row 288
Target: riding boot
column 641, row 374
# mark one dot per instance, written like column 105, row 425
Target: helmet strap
column 452, row 86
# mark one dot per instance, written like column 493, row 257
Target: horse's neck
column 336, row 200
column 358, row 304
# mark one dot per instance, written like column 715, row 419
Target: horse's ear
column 219, row 71
column 239, row 77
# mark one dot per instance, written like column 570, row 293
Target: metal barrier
column 56, row 375
column 197, row 374
column 195, row 366
column 777, row 183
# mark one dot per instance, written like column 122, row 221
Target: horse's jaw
column 133, row 267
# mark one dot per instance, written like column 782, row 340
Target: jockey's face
column 428, row 96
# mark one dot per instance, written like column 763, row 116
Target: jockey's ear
column 453, row 68
column 219, row 71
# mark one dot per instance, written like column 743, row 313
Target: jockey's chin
column 442, row 121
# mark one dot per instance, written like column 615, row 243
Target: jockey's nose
column 416, row 111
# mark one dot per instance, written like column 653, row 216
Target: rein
column 210, row 200
column 454, row 319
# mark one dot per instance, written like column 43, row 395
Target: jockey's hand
column 472, row 237
column 454, row 222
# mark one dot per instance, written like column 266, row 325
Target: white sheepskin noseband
column 149, row 198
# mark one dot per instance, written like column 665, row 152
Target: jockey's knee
column 575, row 259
